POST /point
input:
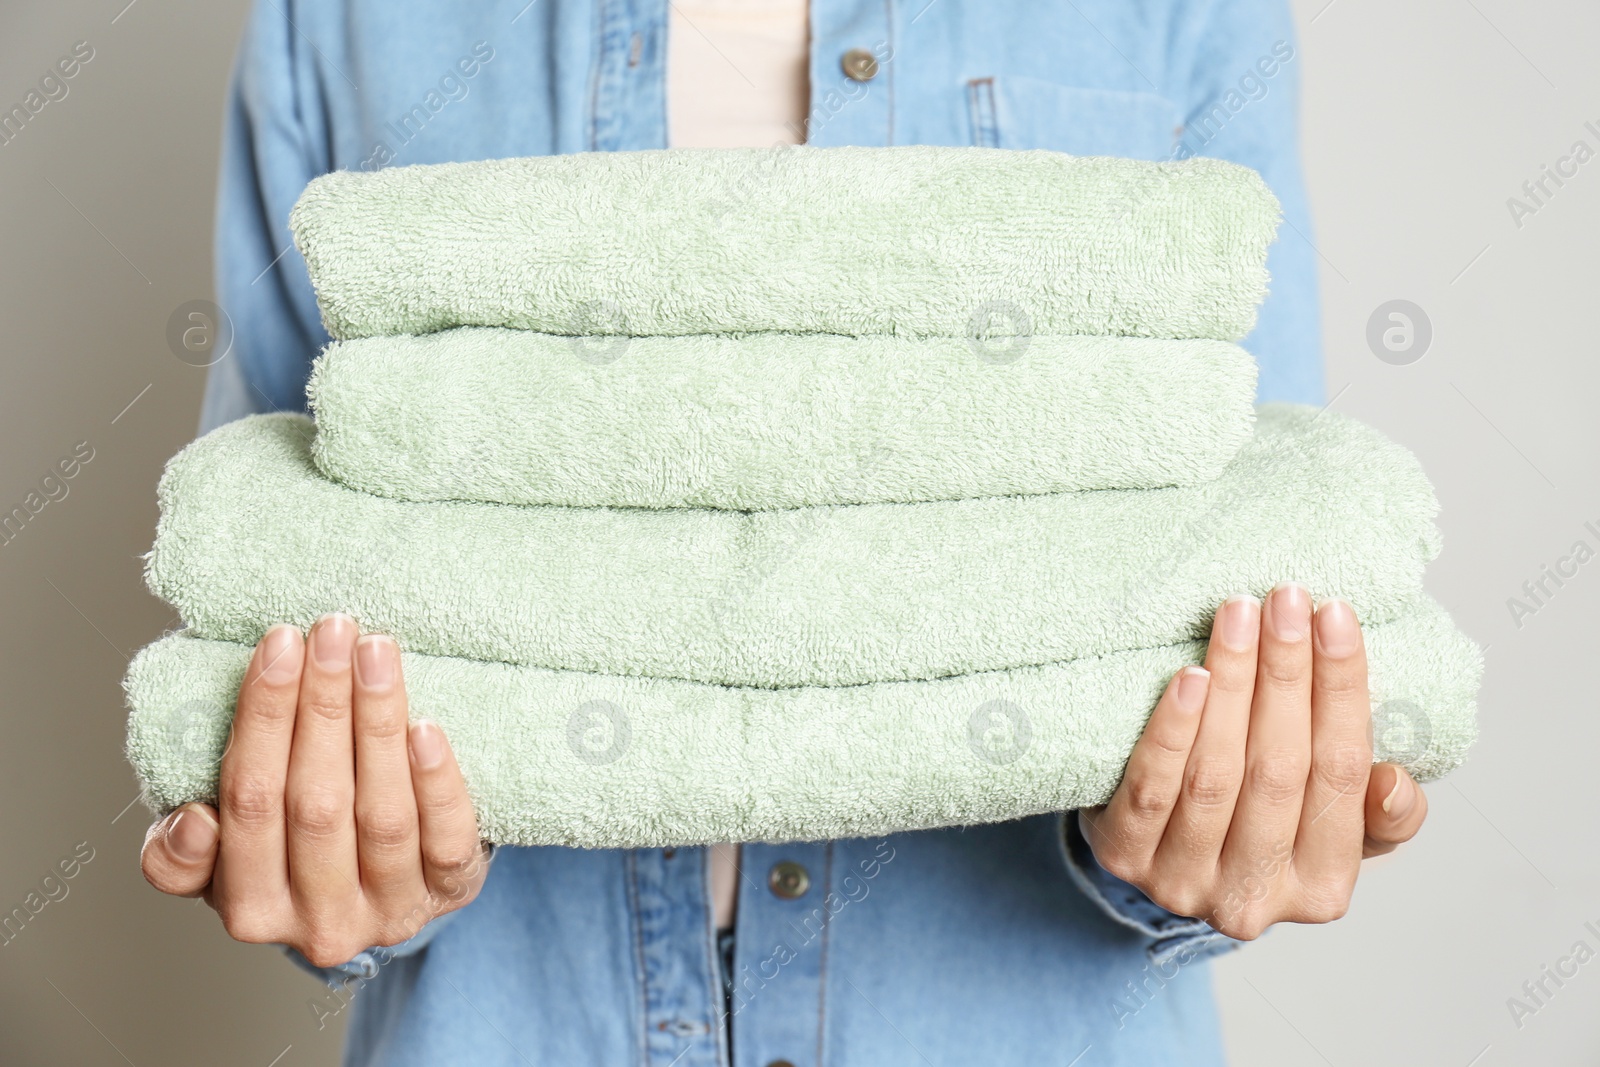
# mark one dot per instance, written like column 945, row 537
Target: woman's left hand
column 1252, row 798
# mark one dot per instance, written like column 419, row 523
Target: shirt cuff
column 1172, row 937
column 365, row 965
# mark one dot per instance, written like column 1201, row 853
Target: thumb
column 181, row 850
column 1396, row 807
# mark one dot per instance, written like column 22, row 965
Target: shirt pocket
column 1021, row 112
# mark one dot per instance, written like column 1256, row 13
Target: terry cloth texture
column 252, row 534
column 565, row 758
column 771, row 420
column 913, row 240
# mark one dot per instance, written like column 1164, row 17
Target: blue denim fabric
column 1000, row 944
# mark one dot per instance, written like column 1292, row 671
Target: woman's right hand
column 339, row 826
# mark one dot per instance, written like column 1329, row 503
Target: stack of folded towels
column 786, row 494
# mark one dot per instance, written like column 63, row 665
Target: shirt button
column 788, row 880
column 780, row 1063
column 859, row 65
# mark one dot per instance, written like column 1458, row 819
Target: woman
column 1071, row 938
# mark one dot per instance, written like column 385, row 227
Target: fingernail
column 1401, row 797
column 427, row 745
column 1241, row 622
column 1192, row 685
column 1336, row 630
column 191, row 834
column 280, row 658
column 1289, row 612
column 375, row 655
column 330, row 641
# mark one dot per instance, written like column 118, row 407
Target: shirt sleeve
column 270, row 151
column 365, row 965
column 1243, row 105
column 1173, row 938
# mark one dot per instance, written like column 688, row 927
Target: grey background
column 1420, row 120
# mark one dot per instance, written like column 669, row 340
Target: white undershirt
column 737, row 73
column 736, row 78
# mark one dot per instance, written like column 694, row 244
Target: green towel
column 252, row 534
column 907, row 240
column 771, row 420
column 563, row 758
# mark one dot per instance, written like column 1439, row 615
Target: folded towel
column 770, row 420
column 252, row 534
column 564, row 758
column 908, row 240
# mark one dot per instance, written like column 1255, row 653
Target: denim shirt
column 1003, row 944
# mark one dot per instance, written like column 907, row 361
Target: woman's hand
column 1251, row 798
column 338, row 827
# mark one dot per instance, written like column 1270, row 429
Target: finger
column 252, row 867
column 453, row 857
column 1125, row 833
column 324, row 877
column 1327, row 851
column 1192, row 845
column 1395, row 809
column 387, row 846
column 181, row 850
column 1278, row 752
